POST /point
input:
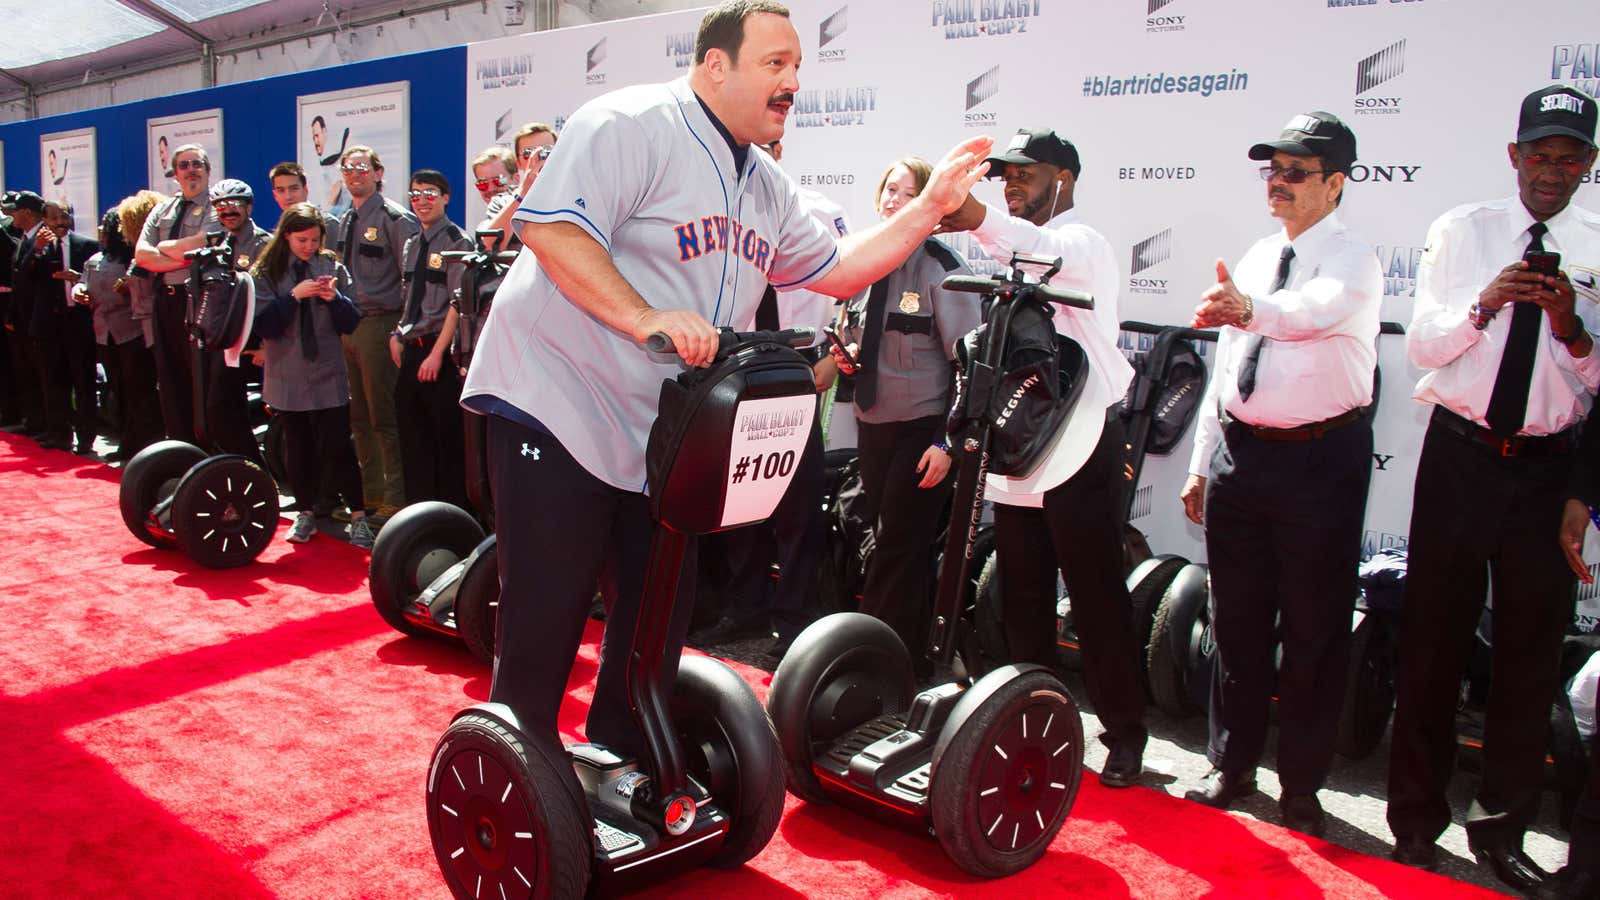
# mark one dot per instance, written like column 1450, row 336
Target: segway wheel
column 843, row 670
column 478, row 601
column 149, row 478
column 1370, row 689
column 414, row 548
column 1147, row 584
column 506, row 814
column 1006, row 775
column 731, row 750
column 986, row 646
column 225, row 511
column 1174, row 635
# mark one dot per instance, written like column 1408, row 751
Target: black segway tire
column 150, row 477
column 478, row 601
column 843, row 670
column 225, row 511
column 732, row 751
column 1147, row 584
column 413, row 548
column 986, row 647
column 1006, row 770
column 1369, row 690
column 1168, row 653
column 505, row 814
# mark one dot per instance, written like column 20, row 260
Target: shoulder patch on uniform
column 454, row 233
column 395, row 212
column 944, row 255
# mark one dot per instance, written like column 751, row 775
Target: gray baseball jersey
column 647, row 174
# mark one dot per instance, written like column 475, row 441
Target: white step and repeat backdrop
column 1162, row 99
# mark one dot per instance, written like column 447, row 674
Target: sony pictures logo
column 979, row 90
column 831, row 29
column 1148, row 253
column 680, row 49
column 1154, row 24
column 592, row 61
column 1577, row 65
column 983, row 18
column 1377, row 69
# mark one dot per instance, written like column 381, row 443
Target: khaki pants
column 372, row 424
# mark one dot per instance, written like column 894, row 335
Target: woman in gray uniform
column 303, row 305
column 130, row 367
column 902, row 332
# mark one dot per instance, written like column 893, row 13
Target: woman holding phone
column 302, row 307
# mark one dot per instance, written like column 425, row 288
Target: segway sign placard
column 769, row 435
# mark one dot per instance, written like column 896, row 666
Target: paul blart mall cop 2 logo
column 959, row 19
column 1577, row 65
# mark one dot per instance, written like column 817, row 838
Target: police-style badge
column 372, row 234
column 910, row 302
column 244, row 262
column 435, row 260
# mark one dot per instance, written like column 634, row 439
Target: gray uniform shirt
column 248, row 244
column 289, row 381
column 381, row 230
column 922, row 323
column 113, row 312
column 644, row 172
column 440, row 279
column 197, row 219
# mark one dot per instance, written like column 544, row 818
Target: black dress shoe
column 1417, row 853
column 56, row 442
column 1124, row 764
column 1571, row 883
column 1511, row 866
column 1220, row 789
column 1303, row 813
column 730, row 628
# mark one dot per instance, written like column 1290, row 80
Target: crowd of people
column 354, row 336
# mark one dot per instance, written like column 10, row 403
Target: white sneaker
column 304, row 528
column 361, row 533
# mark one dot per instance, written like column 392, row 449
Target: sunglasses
column 183, row 165
column 428, row 194
column 228, row 206
column 1571, row 165
column 1290, row 175
column 541, row 152
column 355, row 167
column 496, row 182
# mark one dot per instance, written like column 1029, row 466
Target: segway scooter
column 510, row 813
column 1181, row 655
column 434, row 570
column 220, row 510
column 991, row 768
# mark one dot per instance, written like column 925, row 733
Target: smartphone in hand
column 1543, row 262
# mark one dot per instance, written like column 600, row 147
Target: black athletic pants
column 1583, row 851
column 1479, row 520
column 318, row 451
column 227, row 415
column 899, row 582
column 51, row 373
column 1079, row 533
column 428, row 415
column 1283, row 526
column 557, row 525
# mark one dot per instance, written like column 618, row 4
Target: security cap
column 1030, row 146
column 1319, row 134
column 1554, row 111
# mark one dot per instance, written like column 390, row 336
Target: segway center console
column 991, row 768
column 433, row 570
column 219, row 510
column 513, row 815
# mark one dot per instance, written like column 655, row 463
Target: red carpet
column 176, row 732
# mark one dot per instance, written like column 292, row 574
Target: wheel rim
column 429, row 565
column 234, row 511
column 856, row 693
column 1024, row 777
column 492, row 834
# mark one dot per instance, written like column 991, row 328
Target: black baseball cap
column 1319, row 134
column 30, row 201
column 1030, row 146
column 8, row 201
column 1555, row 111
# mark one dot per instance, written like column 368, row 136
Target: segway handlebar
column 456, row 256
column 727, row 339
column 974, row 284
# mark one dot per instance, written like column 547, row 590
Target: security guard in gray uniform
column 428, row 390
column 372, row 236
column 232, row 200
column 903, row 331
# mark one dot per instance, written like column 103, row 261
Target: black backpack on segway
column 434, row 567
column 512, row 814
column 992, row 768
column 219, row 510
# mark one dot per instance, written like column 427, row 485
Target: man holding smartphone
column 1506, row 300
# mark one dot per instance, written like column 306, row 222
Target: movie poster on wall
column 164, row 135
column 67, row 174
column 375, row 116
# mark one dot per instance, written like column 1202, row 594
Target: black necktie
column 349, row 248
column 177, row 222
column 867, row 373
column 1252, row 350
column 1508, row 402
column 308, row 325
column 414, row 304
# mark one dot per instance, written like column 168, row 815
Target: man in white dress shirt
column 1285, row 447
column 1510, row 368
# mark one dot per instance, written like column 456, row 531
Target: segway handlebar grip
column 727, row 339
column 976, row 284
column 1063, row 296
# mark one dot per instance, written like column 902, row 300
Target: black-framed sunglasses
column 228, row 205
column 1290, row 175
